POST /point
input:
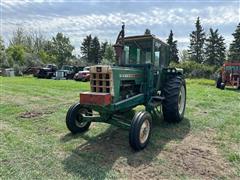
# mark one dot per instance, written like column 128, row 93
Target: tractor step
column 154, row 104
column 156, row 101
column 158, row 98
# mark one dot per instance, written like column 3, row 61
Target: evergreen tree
column 173, row 48
column 95, row 51
column 234, row 50
column 86, row 48
column 103, row 49
column 197, row 39
column 147, row 32
column 215, row 49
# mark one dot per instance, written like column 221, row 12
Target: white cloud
column 105, row 24
column 214, row 16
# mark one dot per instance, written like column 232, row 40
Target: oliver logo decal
column 130, row 75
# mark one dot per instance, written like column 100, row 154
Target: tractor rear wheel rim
column 181, row 99
column 144, row 131
column 79, row 117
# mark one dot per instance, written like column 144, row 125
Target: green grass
column 41, row 147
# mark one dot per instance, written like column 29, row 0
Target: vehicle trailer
column 142, row 77
column 229, row 75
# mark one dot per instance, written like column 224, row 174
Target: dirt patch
column 33, row 114
column 195, row 156
column 198, row 156
column 111, row 151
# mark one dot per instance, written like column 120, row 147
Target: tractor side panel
column 127, row 82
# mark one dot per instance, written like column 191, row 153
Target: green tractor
column 142, row 77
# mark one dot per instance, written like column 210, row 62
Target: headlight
column 169, row 70
column 173, row 70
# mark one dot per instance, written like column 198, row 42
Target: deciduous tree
column 109, row 55
column 3, row 58
column 15, row 55
column 184, row 55
column 61, row 48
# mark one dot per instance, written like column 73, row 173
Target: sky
column 78, row 18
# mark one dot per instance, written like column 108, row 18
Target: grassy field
column 35, row 143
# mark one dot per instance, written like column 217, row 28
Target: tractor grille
column 100, row 79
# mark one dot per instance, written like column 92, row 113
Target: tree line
column 33, row 49
column 95, row 52
column 209, row 49
column 28, row 49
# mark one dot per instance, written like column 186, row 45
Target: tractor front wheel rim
column 79, row 117
column 144, row 131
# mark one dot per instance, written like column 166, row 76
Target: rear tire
column 140, row 131
column 222, row 86
column 219, row 82
column 174, row 104
column 74, row 116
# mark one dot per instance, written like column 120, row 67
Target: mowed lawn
column 35, row 143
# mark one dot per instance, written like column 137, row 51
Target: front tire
column 74, row 118
column 174, row 104
column 140, row 131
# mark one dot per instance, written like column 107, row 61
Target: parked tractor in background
column 142, row 77
column 229, row 76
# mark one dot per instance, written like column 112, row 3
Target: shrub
column 196, row 70
column 32, row 60
column 18, row 70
